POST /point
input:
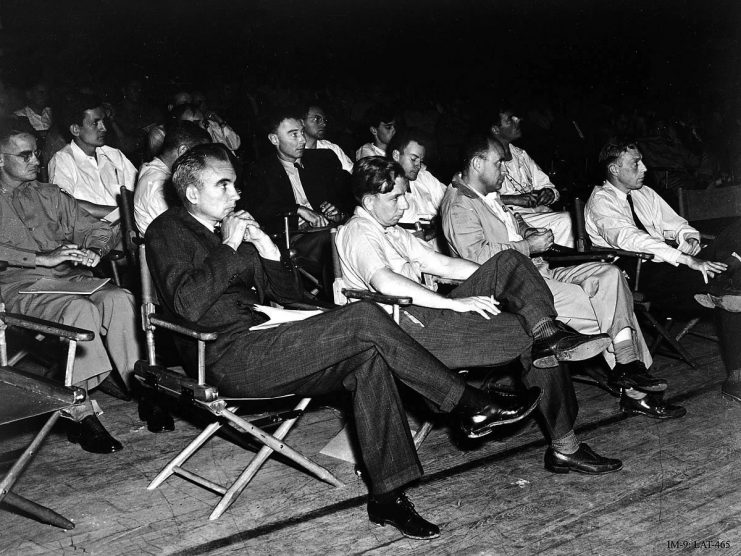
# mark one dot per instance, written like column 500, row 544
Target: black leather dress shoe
column 91, row 435
column 584, row 460
column 501, row 410
column 635, row 375
column 158, row 419
column 567, row 345
column 401, row 514
column 651, row 406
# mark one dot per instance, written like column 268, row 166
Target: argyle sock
column 625, row 351
column 567, row 444
column 544, row 328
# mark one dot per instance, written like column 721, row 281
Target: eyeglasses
column 319, row 119
column 26, row 155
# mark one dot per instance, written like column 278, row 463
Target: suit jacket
column 268, row 191
column 207, row 283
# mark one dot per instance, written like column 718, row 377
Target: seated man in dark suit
column 310, row 182
column 215, row 282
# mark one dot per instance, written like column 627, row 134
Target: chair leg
column 422, row 433
column 686, row 328
column 189, row 450
column 683, row 353
column 272, row 443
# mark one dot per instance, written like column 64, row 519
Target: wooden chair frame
column 201, row 395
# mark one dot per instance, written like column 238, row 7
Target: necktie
column 636, row 219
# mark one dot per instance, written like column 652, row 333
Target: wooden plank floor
column 681, row 482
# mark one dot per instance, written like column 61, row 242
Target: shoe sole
column 587, row 350
column 383, row 522
column 730, row 303
column 652, row 415
column 563, row 469
column 490, row 427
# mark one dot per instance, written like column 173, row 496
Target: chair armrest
column 46, row 327
column 377, row 297
column 623, row 253
column 181, row 326
column 582, row 257
column 115, row 255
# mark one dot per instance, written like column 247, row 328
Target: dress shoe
column 635, row 375
column 731, row 389
column 91, row 435
column 401, row 514
column 584, row 460
column 567, row 345
column 158, row 419
column 651, row 406
column 501, row 410
column 729, row 301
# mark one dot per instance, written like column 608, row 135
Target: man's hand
column 314, row 219
column 527, row 200
column 234, row 228
column 707, row 268
column 690, row 247
column 539, row 239
column 330, row 212
column 546, row 196
column 63, row 253
column 481, row 304
column 90, row 258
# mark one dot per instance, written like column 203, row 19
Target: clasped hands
column 68, row 252
column 532, row 199
column 327, row 213
column 239, row 226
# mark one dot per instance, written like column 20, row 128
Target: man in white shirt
column 150, row 198
column 86, row 168
column 624, row 214
column 590, row 297
column 526, row 188
column 315, row 128
column 382, row 126
column 37, row 111
column 503, row 310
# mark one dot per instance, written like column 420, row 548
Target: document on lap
column 280, row 316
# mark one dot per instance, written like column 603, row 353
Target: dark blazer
column 207, row 283
column 268, row 192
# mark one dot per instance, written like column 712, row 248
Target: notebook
column 60, row 285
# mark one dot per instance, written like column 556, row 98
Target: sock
column 635, row 394
column 472, row 399
column 567, row 444
column 386, row 497
column 544, row 328
column 734, row 375
column 625, row 352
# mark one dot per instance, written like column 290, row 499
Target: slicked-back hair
column 184, row 132
column 73, row 111
column 277, row 115
column 402, row 138
column 612, row 150
column 189, row 166
column 476, row 145
column 373, row 175
column 10, row 127
column 380, row 113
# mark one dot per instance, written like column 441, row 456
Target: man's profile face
column 289, row 139
column 315, row 123
column 411, row 159
column 92, row 130
column 216, row 196
column 508, row 127
column 388, row 208
column 630, row 170
column 491, row 173
column 14, row 164
column 384, row 132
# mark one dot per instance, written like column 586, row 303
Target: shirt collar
column 291, row 166
column 209, row 225
column 620, row 195
column 360, row 212
column 77, row 152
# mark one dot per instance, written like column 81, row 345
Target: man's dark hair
column 189, row 166
column 10, row 127
column 308, row 104
column 73, row 111
column 612, row 150
column 374, row 174
column 277, row 115
column 402, row 138
column 178, row 111
column 186, row 133
column 379, row 113
column 476, row 145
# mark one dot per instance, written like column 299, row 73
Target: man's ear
column 476, row 164
column 191, row 193
column 374, row 131
column 613, row 169
column 182, row 149
column 74, row 129
column 273, row 138
column 367, row 202
column 495, row 129
column 396, row 155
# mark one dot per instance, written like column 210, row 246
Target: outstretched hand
column 484, row 305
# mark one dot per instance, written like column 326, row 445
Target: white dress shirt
column 369, row 149
column 424, row 197
column 149, row 196
column 345, row 161
column 40, row 122
column 96, row 179
column 609, row 222
column 523, row 175
column 298, row 188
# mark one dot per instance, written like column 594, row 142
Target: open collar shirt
column 424, row 197
column 523, row 175
column 149, row 196
column 96, row 179
column 609, row 222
